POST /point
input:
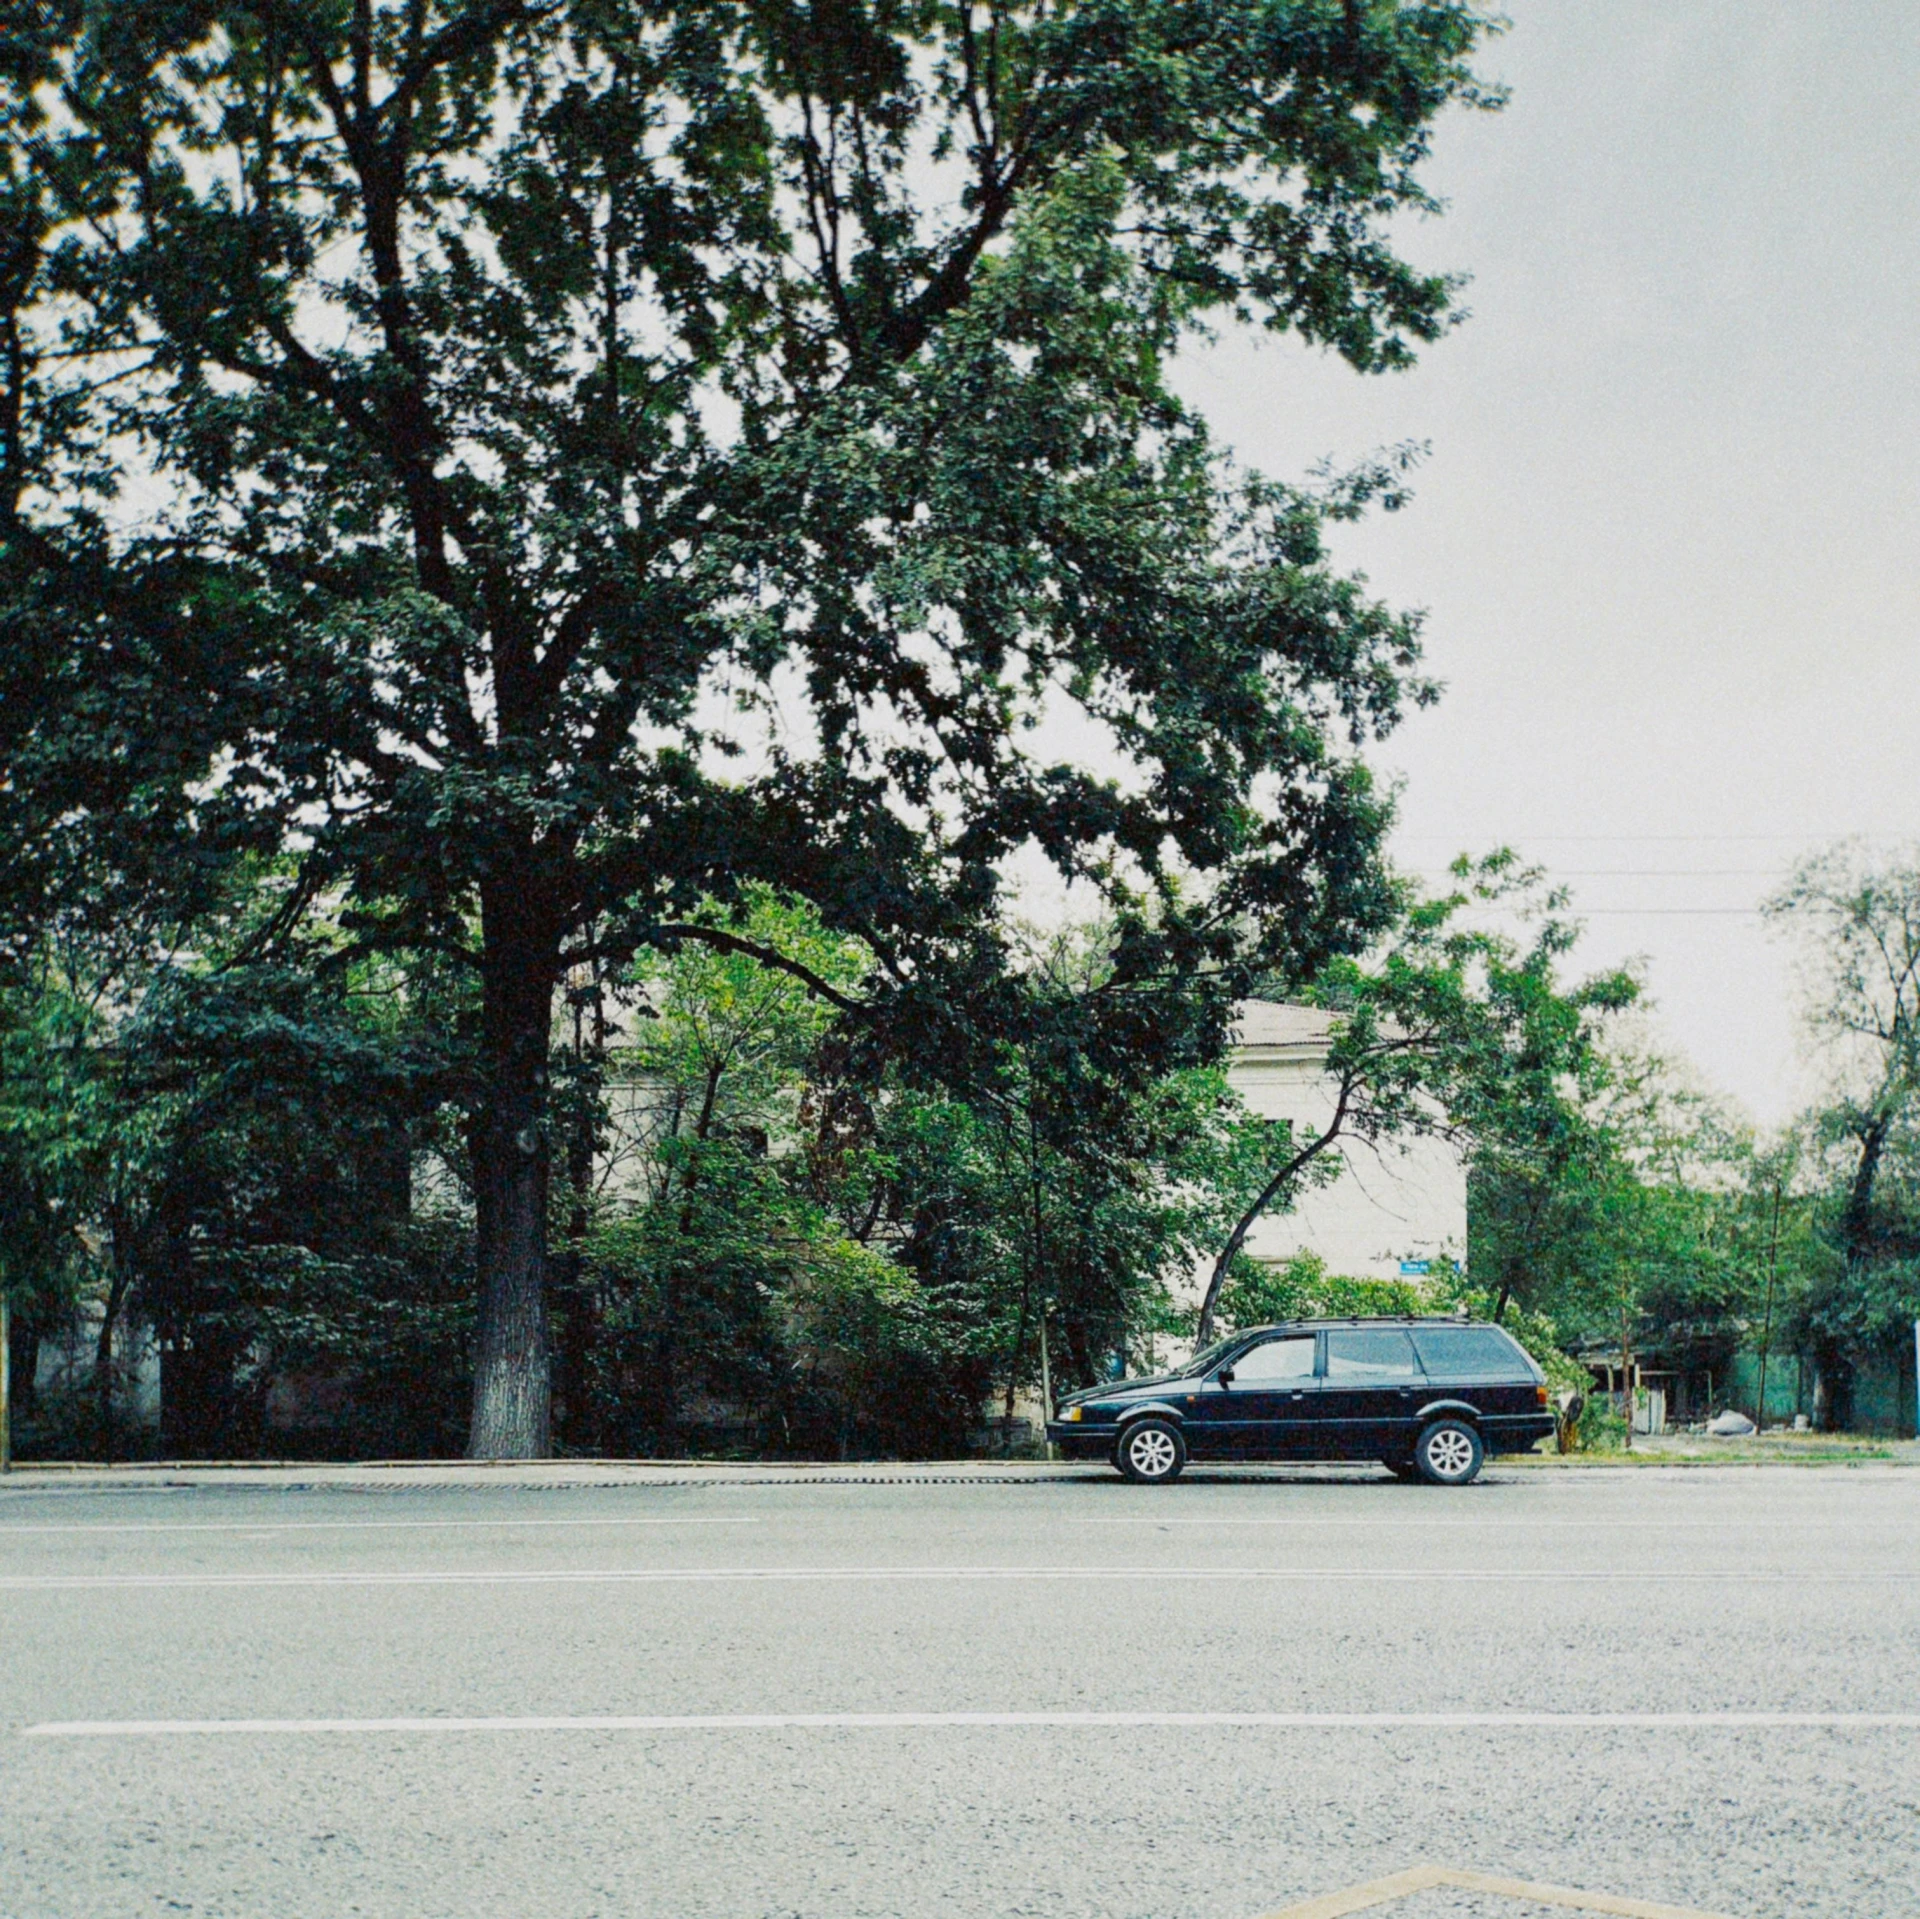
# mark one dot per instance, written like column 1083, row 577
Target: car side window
column 1275, row 1359
column 1357, row 1356
column 1470, row 1352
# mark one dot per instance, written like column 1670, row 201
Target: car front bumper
column 1083, row 1438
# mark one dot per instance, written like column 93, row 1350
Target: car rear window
column 1470, row 1352
column 1369, row 1355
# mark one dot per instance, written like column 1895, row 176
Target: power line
column 1650, row 872
column 1796, row 836
column 1701, row 839
column 1633, row 912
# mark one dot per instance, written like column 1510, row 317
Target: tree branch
column 1237, row 1238
column 725, row 942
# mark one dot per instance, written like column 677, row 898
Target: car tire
column 1448, row 1453
column 1151, row 1452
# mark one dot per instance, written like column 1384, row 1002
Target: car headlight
column 1074, row 1412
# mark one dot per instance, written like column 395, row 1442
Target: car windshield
column 1206, row 1356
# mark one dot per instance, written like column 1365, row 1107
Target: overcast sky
column 1669, row 530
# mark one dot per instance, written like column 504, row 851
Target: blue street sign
column 1416, row 1266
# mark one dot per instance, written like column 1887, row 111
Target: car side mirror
column 1225, row 1375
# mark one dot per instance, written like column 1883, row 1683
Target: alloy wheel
column 1449, row 1453
column 1152, row 1452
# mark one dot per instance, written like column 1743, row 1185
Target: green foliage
column 358, row 1351
column 1300, row 1287
column 839, row 1257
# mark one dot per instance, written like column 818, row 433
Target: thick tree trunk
column 1856, row 1221
column 512, row 1383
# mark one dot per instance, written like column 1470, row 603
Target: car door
column 1272, row 1394
column 1372, row 1392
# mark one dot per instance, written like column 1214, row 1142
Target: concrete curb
column 399, row 1476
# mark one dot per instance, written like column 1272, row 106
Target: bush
column 1602, row 1428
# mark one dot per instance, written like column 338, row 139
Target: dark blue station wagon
column 1428, row 1398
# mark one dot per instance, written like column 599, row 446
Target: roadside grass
column 1768, row 1449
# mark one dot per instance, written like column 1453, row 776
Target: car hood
column 1122, row 1388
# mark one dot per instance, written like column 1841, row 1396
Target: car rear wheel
column 1448, row 1453
column 1151, row 1452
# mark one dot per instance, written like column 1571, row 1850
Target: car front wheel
column 1448, row 1453
column 1151, row 1452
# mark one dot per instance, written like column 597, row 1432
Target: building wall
column 1399, row 1203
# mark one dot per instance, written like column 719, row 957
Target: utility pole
column 1039, row 1260
column 1766, row 1327
column 6, row 1383
column 1626, row 1369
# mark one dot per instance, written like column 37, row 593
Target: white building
column 1397, row 1208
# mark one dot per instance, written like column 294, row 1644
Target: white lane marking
column 895, row 1721
column 8, row 1529
column 807, row 1575
column 1470, row 1523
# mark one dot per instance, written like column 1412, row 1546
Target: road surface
column 746, row 1696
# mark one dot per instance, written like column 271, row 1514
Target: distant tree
column 1858, row 928
column 1453, row 1028
column 1856, row 923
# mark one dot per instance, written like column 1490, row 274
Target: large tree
column 630, row 447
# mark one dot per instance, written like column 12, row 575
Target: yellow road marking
column 1400, row 1885
column 1376, row 1892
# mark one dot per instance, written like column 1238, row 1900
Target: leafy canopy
column 644, row 445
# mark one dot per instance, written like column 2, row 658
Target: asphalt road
column 1069, row 1697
